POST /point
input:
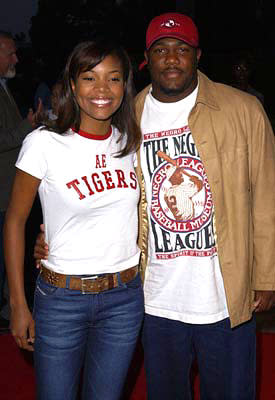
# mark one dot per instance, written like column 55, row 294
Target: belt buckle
column 83, row 283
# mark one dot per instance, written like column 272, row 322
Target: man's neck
column 165, row 97
column 173, row 98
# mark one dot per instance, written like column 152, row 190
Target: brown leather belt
column 89, row 284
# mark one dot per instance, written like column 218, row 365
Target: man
column 206, row 274
column 13, row 130
column 209, row 271
column 242, row 69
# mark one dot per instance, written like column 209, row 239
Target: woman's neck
column 97, row 128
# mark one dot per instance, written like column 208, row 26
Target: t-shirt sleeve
column 32, row 156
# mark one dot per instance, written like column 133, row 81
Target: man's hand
column 30, row 117
column 34, row 118
column 22, row 327
column 264, row 300
column 41, row 249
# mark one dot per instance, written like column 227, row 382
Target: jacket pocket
column 235, row 166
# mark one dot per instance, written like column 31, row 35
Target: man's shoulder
column 3, row 97
column 226, row 95
column 142, row 94
column 227, row 90
column 139, row 101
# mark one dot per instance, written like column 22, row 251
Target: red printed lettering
column 121, row 179
column 84, row 178
column 97, row 183
column 108, row 178
column 102, row 163
column 133, row 177
column 73, row 184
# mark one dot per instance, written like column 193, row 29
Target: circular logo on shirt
column 181, row 197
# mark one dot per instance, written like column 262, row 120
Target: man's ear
column 198, row 55
column 146, row 55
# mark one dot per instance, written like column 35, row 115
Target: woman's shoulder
column 44, row 136
column 38, row 132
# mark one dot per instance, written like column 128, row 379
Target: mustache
column 172, row 69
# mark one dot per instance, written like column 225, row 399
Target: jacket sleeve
column 262, row 159
column 11, row 138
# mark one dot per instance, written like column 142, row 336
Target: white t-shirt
column 89, row 200
column 183, row 280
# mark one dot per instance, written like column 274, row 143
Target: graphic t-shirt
column 183, row 280
column 89, row 200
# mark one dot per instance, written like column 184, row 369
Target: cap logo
column 170, row 24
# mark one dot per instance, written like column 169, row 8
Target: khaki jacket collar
column 205, row 95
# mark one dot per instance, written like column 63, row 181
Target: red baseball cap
column 174, row 25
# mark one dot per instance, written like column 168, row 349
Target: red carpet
column 17, row 377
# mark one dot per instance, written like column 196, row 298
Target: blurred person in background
column 55, row 99
column 13, row 130
column 242, row 69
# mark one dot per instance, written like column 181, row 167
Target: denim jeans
column 226, row 359
column 95, row 331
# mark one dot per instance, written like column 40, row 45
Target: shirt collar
column 3, row 82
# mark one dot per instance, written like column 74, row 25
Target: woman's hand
column 24, row 190
column 22, row 327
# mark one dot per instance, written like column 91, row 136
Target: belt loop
column 118, row 277
column 68, row 278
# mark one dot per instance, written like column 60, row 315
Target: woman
column 88, row 305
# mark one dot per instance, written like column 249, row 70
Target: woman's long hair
column 84, row 57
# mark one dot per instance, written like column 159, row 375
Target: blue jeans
column 95, row 331
column 226, row 359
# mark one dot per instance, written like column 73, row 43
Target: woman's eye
column 88, row 78
column 116, row 79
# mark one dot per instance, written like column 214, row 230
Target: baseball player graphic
column 184, row 186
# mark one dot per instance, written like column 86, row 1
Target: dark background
column 225, row 28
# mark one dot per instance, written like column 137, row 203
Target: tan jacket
column 236, row 145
